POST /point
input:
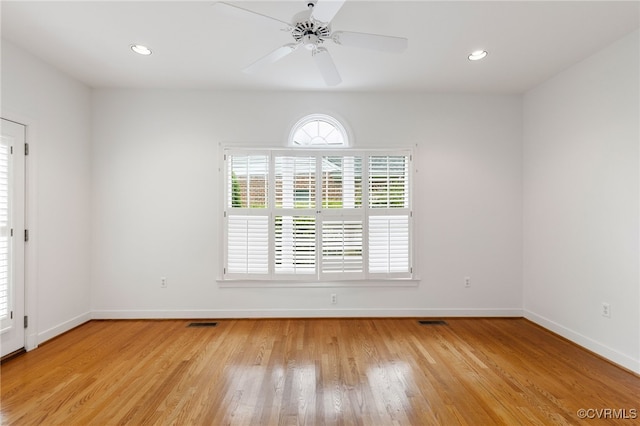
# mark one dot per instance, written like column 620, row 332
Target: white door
column 12, row 236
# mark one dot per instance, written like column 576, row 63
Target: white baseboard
column 62, row 328
column 586, row 342
column 303, row 313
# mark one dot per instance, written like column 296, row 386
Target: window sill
column 405, row 282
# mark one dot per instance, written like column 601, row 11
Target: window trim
column 319, row 278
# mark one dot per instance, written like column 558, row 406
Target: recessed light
column 140, row 49
column 477, row 55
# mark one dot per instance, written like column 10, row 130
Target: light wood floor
column 313, row 371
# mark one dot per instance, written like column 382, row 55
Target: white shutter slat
column 389, row 244
column 295, row 178
column 342, row 246
column 247, row 181
column 389, row 181
column 341, row 182
column 5, row 152
column 295, row 245
column 247, row 244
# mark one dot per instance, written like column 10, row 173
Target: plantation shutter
column 342, row 238
column 248, row 245
column 389, row 244
column 295, row 183
column 5, row 152
column 342, row 247
column 295, row 215
column 390, row 216
column 295, row 245
column 317, row 215
column 389, row 181
column 247, row 181
column 247, row 217
column 341, row 182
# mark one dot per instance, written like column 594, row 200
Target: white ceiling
column 197, row 45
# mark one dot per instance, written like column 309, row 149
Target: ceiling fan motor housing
column 307, row 30
column 310, row 33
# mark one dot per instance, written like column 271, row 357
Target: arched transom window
column 318, row 130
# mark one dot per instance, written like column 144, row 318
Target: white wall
column 57, row 111
column 156, row 201
column 581, row 202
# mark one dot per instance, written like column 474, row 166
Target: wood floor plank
column 313, row 372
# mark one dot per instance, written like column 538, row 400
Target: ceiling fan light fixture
column 141, row 49
column 477, row 55
column 310, row 41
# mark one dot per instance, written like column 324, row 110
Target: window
column 318, row 130
column 317, row 215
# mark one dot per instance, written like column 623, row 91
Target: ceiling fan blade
column 325, row 10
column 242, row 13
column 326, row 66
column 270, row 58
column 370, row 41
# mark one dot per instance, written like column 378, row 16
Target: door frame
column 30, row 221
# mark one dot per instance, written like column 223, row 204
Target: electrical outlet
column 334, row 298
column 163, row 282
column 467, row 282
column 606, row 310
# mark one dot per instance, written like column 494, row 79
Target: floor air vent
column 203, row 324
column 432, row 322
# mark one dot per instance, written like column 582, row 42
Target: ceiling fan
column 312, row 28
